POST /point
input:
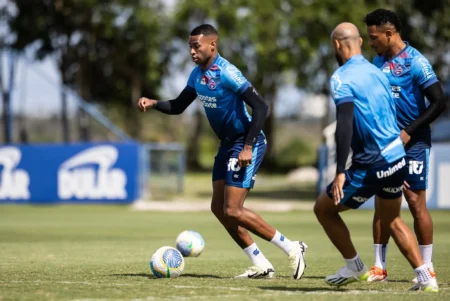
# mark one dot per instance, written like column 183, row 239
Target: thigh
column 235, row 197
column 218, row 198
column 358, row 188
column 220, row 164
column 325, row 203
column 244, row 177
column 417, row 161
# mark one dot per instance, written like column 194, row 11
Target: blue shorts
column 226, row 165
column 417, row 160
column 360, row 185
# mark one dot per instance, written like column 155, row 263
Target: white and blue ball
column 190, row 243
column 167, row 262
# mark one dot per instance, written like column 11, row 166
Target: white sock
column 282, row 242
column 355, row 264
column 427, row 253
column 422, row 273
column 255, row 255
column 380, row 251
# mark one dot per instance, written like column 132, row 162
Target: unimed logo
column 14, row 183
column 89, row 174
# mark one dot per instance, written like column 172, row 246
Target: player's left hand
column 245, row 157
column 405, row 137
column 336, row 189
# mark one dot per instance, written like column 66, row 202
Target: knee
column 416, row 205
column 321, row 211
column 231, row 212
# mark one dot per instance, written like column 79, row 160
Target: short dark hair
column 204, row 29
column 383, row 16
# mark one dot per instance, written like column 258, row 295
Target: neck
column 395, row 49
column 350, row 54
column 209, row 62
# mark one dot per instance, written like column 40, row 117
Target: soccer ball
column 167, row 262
column 190, row 243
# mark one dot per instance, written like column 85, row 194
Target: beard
column 339, row 60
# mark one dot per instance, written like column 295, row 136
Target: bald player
column 223, row 92
column 366, row 121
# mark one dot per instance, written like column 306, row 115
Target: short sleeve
column 232, row 78
column 340, row 91
column 423, row 73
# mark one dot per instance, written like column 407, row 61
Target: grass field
column 102, row 253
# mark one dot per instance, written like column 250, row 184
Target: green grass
column 102, row 253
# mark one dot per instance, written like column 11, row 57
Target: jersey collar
column 398, row 54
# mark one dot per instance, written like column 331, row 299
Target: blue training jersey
column 375, row 140
column 219, row 88
column 409, row 73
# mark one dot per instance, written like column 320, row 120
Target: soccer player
column 366, row 121
column 224, row 91
column 411, row 78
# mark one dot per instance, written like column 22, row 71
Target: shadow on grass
column 303, row 289
column 400, row 281
column 151, row 276
column 276, row 194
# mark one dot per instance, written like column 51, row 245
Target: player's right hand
column 145, row 103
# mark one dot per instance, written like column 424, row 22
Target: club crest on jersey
column 214, row 67
column 211, row 84
column 399, row 69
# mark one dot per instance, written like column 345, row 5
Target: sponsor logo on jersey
column 208, row 101
column 236, row 75
column 426, row 68
column 386, row 69
column 335, row 85
column 391, row 170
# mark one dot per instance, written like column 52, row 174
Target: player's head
column 383, row 27
column 346, row 42
column 203, row 44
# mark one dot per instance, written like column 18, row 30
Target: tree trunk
column 269, row 161
column 193, row 150
column 135, row 121
column 64, row 118
column 83, row 82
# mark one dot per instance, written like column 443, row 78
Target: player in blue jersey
column 224, row 91
column 411, row 78
column 366, row 122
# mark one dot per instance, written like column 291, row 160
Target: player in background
column 365, row 113
column 411, row 78
column 224, row 91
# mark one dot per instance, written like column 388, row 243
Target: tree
column 105, row 49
